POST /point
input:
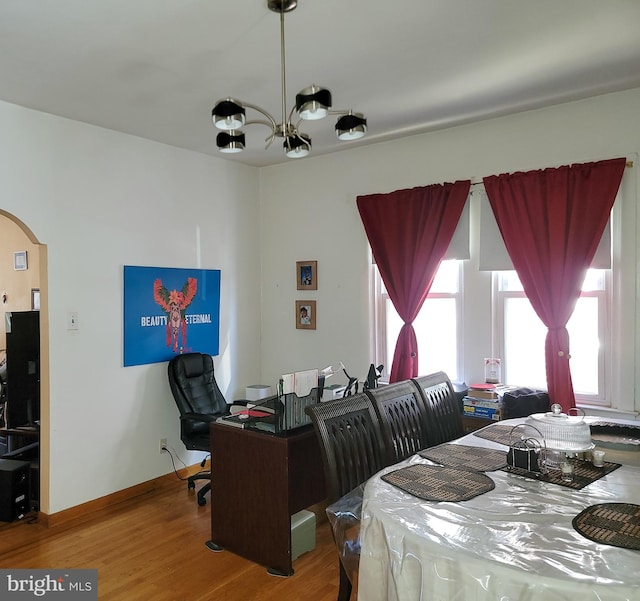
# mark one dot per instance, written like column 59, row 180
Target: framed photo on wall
column 306, row 315
column 20, row 260
column 307, row 275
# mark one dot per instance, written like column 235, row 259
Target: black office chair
column 200, row 402
column 352, row 450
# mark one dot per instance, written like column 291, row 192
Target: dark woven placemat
column 477, row 459
column 584, row 473
column 623, row 436
column 616, row 524
column 500, row 433
column 438, row 483
column 635, row 429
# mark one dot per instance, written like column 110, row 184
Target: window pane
column 436, row 321
column 447, row 278
column 524, row 345
column 508, row 281
column 584, row 345
column 594, row 280
column 524, row 336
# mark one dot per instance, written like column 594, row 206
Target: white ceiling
column 154, row 68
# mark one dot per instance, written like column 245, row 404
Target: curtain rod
column 477, row 182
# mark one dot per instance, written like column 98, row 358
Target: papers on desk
column 297, row 391
column 300, row 382
column 240, row 418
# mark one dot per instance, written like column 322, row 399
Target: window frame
column 603, row 396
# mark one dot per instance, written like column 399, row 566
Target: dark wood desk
column 258, row 481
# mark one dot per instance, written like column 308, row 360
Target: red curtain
column 409, row 231
column 551, row 222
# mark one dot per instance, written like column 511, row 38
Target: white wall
column 309, row 213
column 99, row 200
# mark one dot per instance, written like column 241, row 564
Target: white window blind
column 459, row 245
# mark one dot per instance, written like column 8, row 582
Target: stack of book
column 484, row 401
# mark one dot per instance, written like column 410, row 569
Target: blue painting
column 170, row 311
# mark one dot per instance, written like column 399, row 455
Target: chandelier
column 312, row 103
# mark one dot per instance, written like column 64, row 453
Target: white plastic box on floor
column 303, row 533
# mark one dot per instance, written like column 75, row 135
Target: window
column 522, row 335
column 477, row 312
column 439, row 319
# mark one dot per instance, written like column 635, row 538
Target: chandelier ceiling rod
column 312, row 103
column 283, row 69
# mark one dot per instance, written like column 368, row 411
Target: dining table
column 456, row 523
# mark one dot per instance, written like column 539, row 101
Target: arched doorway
column 18, row 294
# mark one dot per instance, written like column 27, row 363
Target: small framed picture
column 307, row 275
column 35, row 299
column 20, row 260
column 305, row 315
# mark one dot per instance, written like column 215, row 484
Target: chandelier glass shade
column 230, row 142
column 297, row 146
column 312, row 103
column 228, row 115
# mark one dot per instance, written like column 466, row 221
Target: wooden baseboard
column 82, row 512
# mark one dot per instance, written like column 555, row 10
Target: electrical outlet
column 163, row 444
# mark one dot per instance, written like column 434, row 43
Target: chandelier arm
column 268, row 124
column 292, row 129
column 269, row 140
column 289, row 123
column 272, row 122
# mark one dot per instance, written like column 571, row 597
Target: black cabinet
column 14, row 489
column 20, row 436
column 23, row 368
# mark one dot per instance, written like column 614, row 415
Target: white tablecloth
column 514, row 543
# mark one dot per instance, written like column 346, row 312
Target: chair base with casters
column 200, row 402
column 202, row 475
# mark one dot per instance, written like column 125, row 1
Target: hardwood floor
column 153, row 547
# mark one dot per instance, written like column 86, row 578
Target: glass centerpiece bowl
column 564, row 435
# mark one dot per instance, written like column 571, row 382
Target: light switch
column 72, row 320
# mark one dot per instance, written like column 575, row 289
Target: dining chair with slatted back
column 353, row 450
column 442, row 405
column 404, row 419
